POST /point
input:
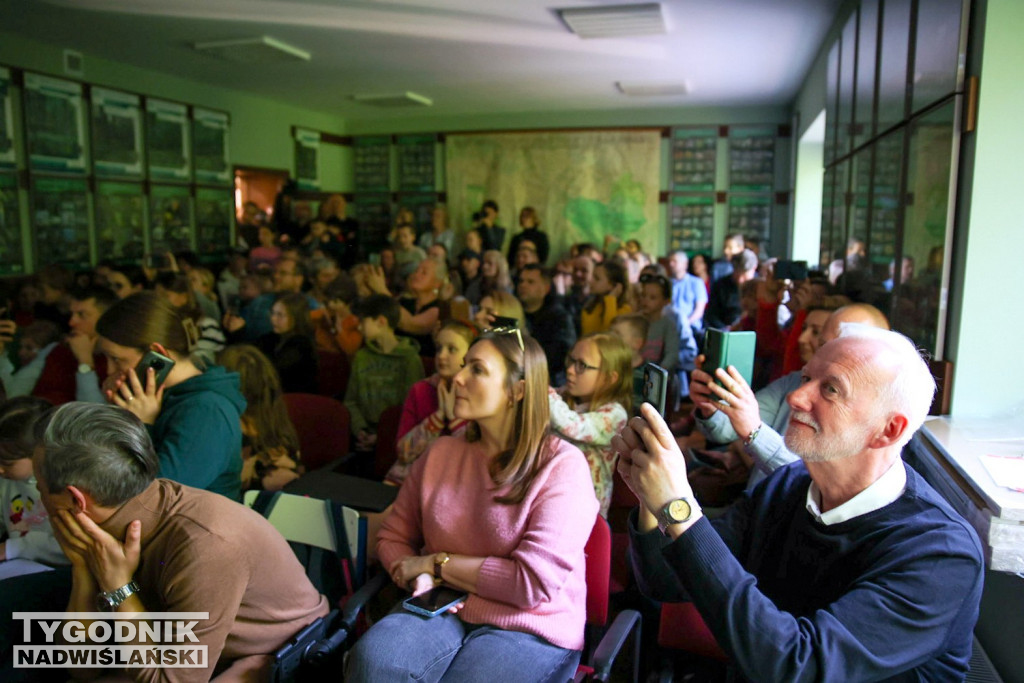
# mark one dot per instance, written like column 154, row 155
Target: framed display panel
column 691, row 223
column 844, row 112
column 751, row 159
column 116, row 134
column 694, row 157
column 416, row 162
column 833, row 233
column 12, row 253
column 210, row 146
column 864, row 89
column 938, row 57
column 374, row 216
column 8, row 158
column 168, row 141
column 372, row 163
column 831, row 102
column 827, row 206
column 170, row 219
column 885, row 203
column 214, row 211
column 892, row 68
column 60, row 222
column 54, row 125
column 751, row 215
column 307, row 159
column 860, row 212
column 919, row 308
column 120, row 221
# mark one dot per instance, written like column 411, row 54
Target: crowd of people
column 518, row 373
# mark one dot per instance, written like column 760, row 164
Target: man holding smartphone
column 846, row 565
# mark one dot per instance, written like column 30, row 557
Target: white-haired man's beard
column 807, row 441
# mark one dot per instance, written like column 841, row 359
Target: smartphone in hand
column 435, row 601
column 722, row 349
column 160, row 363
column 655, row 387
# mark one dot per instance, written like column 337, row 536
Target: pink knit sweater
column 533, row 578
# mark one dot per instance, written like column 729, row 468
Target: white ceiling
column 468, row 56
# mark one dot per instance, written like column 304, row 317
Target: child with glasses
column 595, row 404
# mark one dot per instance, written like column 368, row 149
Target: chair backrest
column 322, row 424
column 333, row 374
column 328, row 538
column 599, row 559
column 385, row 452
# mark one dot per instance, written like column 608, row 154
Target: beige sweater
column 202, row 552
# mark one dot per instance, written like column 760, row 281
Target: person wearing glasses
column 502, row 514
column 594, row 404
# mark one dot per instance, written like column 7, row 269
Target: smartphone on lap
column 435, row 601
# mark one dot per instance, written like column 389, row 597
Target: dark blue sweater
column 889, row 595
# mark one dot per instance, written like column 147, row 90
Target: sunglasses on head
column 656, row 279
column 508, row 329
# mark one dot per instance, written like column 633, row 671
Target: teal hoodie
column 198, row 433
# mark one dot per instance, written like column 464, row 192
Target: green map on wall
column 584, row 185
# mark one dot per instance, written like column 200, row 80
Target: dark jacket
column 552, row 326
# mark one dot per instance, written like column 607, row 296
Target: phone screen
column 435, row 600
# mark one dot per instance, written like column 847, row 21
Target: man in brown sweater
column 137, row 543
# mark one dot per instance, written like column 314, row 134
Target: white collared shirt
column 886, row 489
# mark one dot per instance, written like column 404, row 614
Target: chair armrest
column 344, row 623
column 628, row 622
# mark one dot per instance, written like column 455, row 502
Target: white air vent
column 641, row 89
column 262, row 50
column 74, row 63
column 614, row 21
column 405, row 99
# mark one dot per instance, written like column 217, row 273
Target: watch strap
column 440, row 560
column 114, row 598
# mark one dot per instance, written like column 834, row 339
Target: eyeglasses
column 578, row 365
column 658, row 279
column 511, row 330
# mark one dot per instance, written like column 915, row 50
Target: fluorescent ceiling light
column 614, row 21
column 641, row 89
column 405, row 99
column 261, row 50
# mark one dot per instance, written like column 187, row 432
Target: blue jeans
column 407, row 647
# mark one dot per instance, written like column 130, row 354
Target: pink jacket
column 533, row 578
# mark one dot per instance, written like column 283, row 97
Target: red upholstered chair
column 385, row 452
column 599, row 657
column 333, row 373
column 681, row 627
column 623, row 501
column 323, row 427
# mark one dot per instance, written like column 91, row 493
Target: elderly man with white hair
column 844, row 566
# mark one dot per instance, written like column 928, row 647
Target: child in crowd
column 499, row 303
column 203, row 284
column 270, row 446
column 383, row 370
column 267, row 254
column 25, row 525
column 595, row 404
column 37, row 341
column 337, row 330
column 632, row 330
column 670, row 341
column 608, row 295
column 407, row 254
column 428, row 412
column 289, row 345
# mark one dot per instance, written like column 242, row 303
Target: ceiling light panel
column 405, row 99
column 261, row 50
column 614, row 21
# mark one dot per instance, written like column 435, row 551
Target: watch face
column 679, row 510
column 103, row 604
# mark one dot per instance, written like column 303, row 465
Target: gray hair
column 101, row 449
column 911, row 390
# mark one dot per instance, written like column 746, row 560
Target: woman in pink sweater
column 428, row 409
column 502, row 514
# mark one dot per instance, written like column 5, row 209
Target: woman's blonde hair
column 616, row 358
column 529, row 449
column 265, row 407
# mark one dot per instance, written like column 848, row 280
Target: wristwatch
column 674, row 512
column 108, row 602
column 440, row 560
column 84, row 368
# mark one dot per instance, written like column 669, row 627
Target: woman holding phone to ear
column 501, row 513
column 194, row 415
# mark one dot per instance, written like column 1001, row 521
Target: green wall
column 260, row 128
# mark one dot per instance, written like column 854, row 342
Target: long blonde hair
column 519, row 463
column 616, row 358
